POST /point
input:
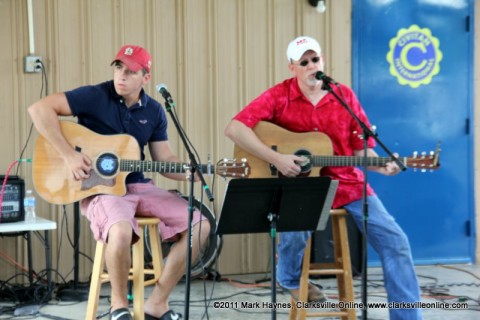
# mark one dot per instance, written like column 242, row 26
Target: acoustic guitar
column 113, row 157
column 317, row 150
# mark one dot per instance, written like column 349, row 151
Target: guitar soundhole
column 307, row 165
column 107, row 164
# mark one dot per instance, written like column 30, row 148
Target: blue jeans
column 388, row 240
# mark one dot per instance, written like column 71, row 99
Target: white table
column 39, row 224
column 25, row 228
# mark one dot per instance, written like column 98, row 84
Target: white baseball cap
column 300, row 45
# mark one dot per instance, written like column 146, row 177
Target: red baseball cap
column 134, row 57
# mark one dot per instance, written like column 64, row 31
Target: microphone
column 322, row 76
column 162, row 89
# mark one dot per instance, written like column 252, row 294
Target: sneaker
column 121, row 314
column 314, row 294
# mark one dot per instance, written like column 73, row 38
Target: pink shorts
column 142, row 199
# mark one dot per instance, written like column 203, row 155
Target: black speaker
column 322, row 245
column 12, row 204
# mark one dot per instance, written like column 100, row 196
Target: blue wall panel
column 413, row 73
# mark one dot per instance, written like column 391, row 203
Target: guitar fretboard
column 344, row 161
column 157, row 166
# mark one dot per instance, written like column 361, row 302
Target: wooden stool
column 341, row 268
column 137, row 272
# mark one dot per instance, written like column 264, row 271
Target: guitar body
column 285, row 142
column 52, row 177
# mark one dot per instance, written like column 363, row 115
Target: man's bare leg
column 118, row 261
column 174, row 269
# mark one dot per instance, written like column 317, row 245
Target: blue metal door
column 413, row 73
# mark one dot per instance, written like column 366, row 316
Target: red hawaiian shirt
column 285, row 106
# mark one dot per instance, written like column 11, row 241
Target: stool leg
column 96, row 281
column 342, row 259
column 157, row 255
column 138, row 277
column 303, row 288
column 304, row 279
column 293, row 311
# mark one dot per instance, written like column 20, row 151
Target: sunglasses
column 314, row 60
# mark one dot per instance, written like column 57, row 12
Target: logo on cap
column 128, row 51
column 299, row 42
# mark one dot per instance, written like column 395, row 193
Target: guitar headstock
column 425, row 161
column 233, row 169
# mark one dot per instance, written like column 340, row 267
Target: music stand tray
column 275, row 204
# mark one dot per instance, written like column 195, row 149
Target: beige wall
column 214, row 55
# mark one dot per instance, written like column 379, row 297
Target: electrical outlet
column 32, row 64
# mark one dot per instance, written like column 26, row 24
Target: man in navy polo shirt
column 122, row 106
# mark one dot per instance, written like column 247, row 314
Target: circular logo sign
column 414, row 56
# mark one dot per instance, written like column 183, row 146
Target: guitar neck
column 158, row 166
column 345, row 161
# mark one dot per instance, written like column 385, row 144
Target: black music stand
column 275, row 204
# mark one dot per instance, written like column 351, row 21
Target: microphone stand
column 367, row 132
column 194, row 167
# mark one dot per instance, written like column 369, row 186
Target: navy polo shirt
column 102, row 110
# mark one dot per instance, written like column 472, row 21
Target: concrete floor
column 448, row 284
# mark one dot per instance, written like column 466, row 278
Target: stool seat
column 341, row 268
column 137, row 271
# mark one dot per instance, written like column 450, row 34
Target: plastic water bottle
column 29, row 206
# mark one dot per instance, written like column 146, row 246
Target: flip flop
column 120, row 314
column 169, row 315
